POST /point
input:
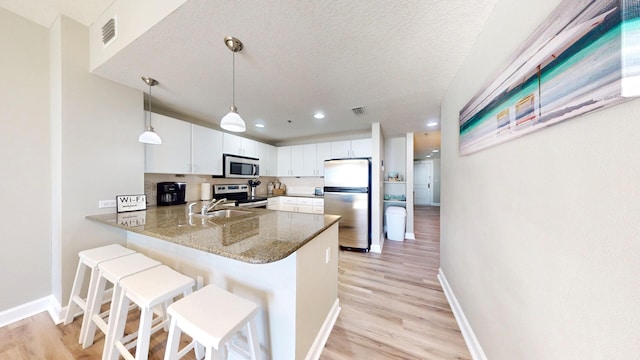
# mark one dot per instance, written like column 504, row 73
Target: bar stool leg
column 173, row 341
column 144, row 333
column 254, row 348
column 88, row 330
column 120, row 321
column 72, row 307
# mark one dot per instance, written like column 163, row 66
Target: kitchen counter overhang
column 258, row 237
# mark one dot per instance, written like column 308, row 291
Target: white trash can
column 396, row 217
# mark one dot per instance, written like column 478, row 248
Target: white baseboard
column 409, row 236
column 325, row 331
column 377, row 248
column 47, row 303
column 467, row 332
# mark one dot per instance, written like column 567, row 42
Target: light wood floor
column 392, row 308
column 392, row 304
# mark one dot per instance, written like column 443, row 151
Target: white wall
column 539, row 236
column 99, row 156
column 395, row 156
column 25, row 251
column 377, row 190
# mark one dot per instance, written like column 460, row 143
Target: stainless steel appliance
column 240, row 166
column 170, row 193
column 347, row 184
column 239, row 194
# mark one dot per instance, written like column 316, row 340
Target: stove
column 240, row 195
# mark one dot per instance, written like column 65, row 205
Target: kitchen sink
column 226, row 213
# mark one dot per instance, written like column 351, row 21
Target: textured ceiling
column 394, row 58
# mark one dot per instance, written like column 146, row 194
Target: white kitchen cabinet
column 237, row 145
column 186, row 148
column 323, row 152
column 291, row 160
column 351, row 148
column 361, row 148
column 296, row 204
column 297, row 160
column 284, row 160
column 268, row 155
column 314, row 157
column 318, row 206
column 273, row 160
column 309, row 164
column 206, row 151
column 273, row 203
column 173, row 156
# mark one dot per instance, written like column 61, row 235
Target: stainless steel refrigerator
column 347, row 186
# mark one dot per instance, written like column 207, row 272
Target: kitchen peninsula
column 283, row 261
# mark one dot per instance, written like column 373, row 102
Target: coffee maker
column 171, row 193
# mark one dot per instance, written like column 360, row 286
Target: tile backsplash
column 297, row 186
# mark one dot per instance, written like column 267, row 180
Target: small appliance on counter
column 171, row 193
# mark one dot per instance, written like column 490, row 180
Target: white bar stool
column 89, row 259
column 211, row 316
column 113, row 271
column 147, row 289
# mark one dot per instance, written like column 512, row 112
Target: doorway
column 423, row 183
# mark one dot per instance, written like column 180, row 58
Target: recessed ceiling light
column 432, row 123
column 259, row 125
column 428, row 156
column 436, row 150
column 318, row 115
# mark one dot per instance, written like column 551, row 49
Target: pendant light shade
column 232, row 121
column 150, row 136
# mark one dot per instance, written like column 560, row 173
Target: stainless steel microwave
column 240, row 166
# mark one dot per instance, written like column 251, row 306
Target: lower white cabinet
column 296, row 204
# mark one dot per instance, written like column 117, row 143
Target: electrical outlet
column 327, row 256
column 106, row 204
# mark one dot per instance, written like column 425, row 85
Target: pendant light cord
column 233, row 97
column 150, row 104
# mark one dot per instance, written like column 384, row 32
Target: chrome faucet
column 211, row 205
column 191, row 208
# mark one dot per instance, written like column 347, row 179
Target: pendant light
column 150, row 136
column 232, row 121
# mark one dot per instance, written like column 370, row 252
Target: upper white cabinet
column 291, row 160
column 237, row 145
column 186, row 148
column 284, row 161
column 268, row 155
column 173, row 156
column 314, row 157
column 323, row 152
column 206, row 151
column 351, row 148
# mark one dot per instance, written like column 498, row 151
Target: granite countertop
column 261, row 236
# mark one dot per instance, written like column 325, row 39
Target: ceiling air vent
column 108, row 32
column 359, row 111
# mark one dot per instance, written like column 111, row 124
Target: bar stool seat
column 89, row 260
column 147, row 289
column 212, row 316
column 113, row 271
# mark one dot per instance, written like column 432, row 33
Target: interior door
column 423, row 183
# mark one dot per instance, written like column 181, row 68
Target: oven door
column 240, row 167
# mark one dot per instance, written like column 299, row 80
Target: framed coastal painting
column 584, row 57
